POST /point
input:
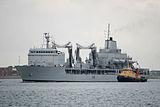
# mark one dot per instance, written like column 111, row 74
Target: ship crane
column 67, row 45
column 54, row 45
column 93, row 51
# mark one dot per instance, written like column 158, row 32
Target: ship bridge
column 48, row 56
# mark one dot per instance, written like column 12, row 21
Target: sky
column 135, row 25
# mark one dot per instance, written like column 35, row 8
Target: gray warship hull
column 59, row 74
column 48, row 64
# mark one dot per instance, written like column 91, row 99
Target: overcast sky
column 135, row 25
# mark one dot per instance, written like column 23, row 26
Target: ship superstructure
column 45, row 56
column 48, row 64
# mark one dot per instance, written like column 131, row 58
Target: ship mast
column 47, row 39
column 108, row 31
column 108, row 36
column 128, row 61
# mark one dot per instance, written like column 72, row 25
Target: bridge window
column 42, row 51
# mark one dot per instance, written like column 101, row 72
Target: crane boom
column 61, row 46
column 93, row 52
column 88, row 47
column 67, row 45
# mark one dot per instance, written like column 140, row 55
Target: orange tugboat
column 128, row 75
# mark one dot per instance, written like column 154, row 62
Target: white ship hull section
column 39, row 73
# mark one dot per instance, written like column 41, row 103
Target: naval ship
column 48, row 64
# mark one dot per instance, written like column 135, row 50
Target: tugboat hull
column 130, row 79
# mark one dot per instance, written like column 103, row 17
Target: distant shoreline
column 154, row 77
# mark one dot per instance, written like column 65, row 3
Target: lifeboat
column 128, row 75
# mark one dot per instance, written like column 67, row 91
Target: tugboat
column 128, row 75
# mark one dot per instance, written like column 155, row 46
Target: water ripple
column 14, row 93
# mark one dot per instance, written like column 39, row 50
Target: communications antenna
column 19, row 60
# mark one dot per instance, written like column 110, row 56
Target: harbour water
column 15, row 93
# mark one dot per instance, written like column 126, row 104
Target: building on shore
column 155, row 74
column 8, row 72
